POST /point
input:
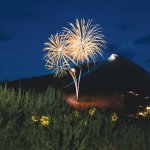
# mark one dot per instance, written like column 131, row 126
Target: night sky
column 25, row 26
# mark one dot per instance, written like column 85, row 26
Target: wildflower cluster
column 34, row 118
column 44, row 120
column 114, row 117
column 92, row 111
column 76, row 114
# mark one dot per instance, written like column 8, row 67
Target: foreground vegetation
column 30, row 121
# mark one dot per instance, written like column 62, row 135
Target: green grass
column 68, row 129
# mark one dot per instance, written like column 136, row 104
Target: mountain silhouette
column 118, row 75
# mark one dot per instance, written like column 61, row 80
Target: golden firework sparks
column 84, row 41
column 57, row 58
column 77, row 45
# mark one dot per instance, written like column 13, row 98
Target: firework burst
column 57, row 58
column 84, row 41
column 77, row 45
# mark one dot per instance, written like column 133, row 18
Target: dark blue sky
column 26, row 24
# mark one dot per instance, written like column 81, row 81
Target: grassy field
column 30, row 121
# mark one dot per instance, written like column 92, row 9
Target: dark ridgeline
column 38, row 84
column 111, row 78
column 119, row 75
column 41, row 83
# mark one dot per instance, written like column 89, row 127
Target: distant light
column 148, row 108
column 112, row 57
column 136, row 94
column 130, row 92
column 146, row 97
column 145, row 113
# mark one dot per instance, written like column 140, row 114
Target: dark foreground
column 45, row 122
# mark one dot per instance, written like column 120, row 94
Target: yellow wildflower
column 76, row 114
column 44, row 120
column 85, row 123
column 34, row 118
column 114, row 117
column 92, row 111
